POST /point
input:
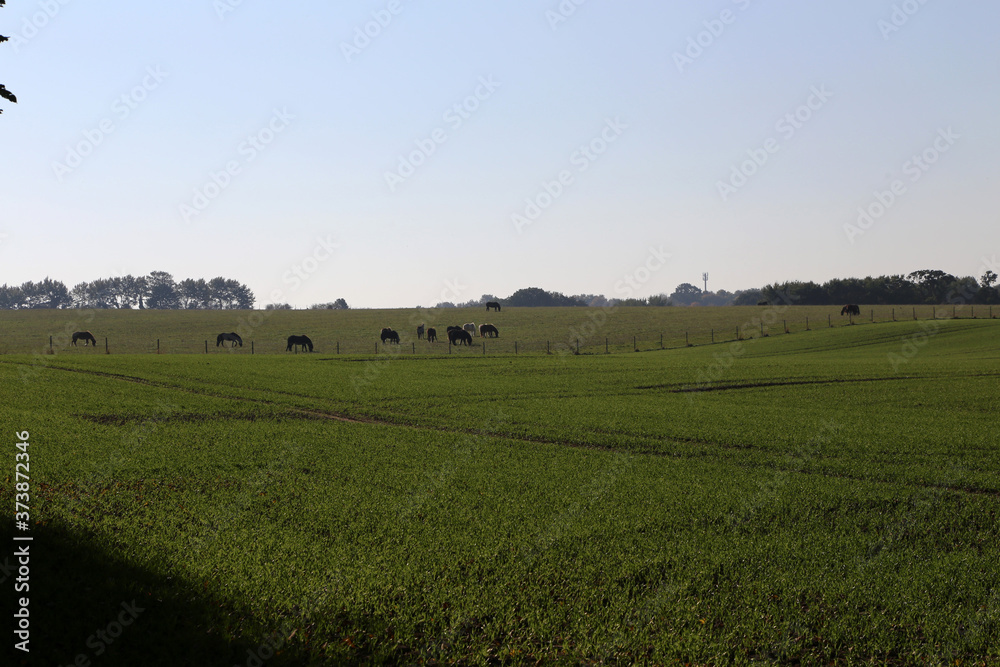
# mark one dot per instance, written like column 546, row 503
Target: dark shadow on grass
column 88, row 606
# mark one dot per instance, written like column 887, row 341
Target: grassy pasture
column 356, row 331
column 824, row 498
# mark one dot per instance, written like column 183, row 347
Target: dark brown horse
column 851, row 309
column 85, row 336
column 232, row 337
column 492, row 304
column 488, row 331
column 389, row 335
column 432, row 335
column 295, row 341
column 459, row 337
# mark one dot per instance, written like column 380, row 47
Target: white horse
column 471, row 328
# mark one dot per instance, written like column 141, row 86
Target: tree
column 685, row 294
column 45, row 294
column 4, row 93
column 11, row 297
column 194, row 293
column 161, row 291
column 535, row 296
column 988, row 279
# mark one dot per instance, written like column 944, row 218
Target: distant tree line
column 926, row 286
column 158, row 290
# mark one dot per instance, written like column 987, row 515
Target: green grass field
column 823, row 497
column 356, row 331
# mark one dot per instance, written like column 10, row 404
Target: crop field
column 822, row 497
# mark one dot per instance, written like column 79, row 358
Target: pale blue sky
column 309, row 129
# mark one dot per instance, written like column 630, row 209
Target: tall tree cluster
column 157, row 290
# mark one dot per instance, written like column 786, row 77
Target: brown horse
column 233, row 338
column 296, row 341
column 492, row 304
column 85, row 336
column 851, row 309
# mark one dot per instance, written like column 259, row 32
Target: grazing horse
column 420, row 332
column 458, row 336
column 470, row 327
column 85, row 336
column 295, row 341
column 432, row 335
column 492, row 304
column 488, row 331
column 389, row 335
column 232, row 337
column 763, row 303
column 850, row 309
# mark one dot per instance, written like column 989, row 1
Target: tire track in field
column 340, row 417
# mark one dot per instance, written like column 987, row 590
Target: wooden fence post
column 50, row 343
column 206, row 347
column 251, row 348
column 106, row 345
column 713, row 335
column 157, row 345
column 606, row 345
column 515, row 347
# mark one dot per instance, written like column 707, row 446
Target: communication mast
column 704, row 277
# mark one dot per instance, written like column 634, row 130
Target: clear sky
column 402, row 152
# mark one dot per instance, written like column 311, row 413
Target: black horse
column 420, row 332
column 232, row 337
column 389, row 335
column 488, row 331
column 850, row 309
column 85, row 336
column 459, row 336
column 492, row 304
column 294, row 341
column 432, row 335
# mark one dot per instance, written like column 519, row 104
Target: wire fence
column 592, row 335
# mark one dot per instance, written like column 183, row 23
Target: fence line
column 574, row 343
